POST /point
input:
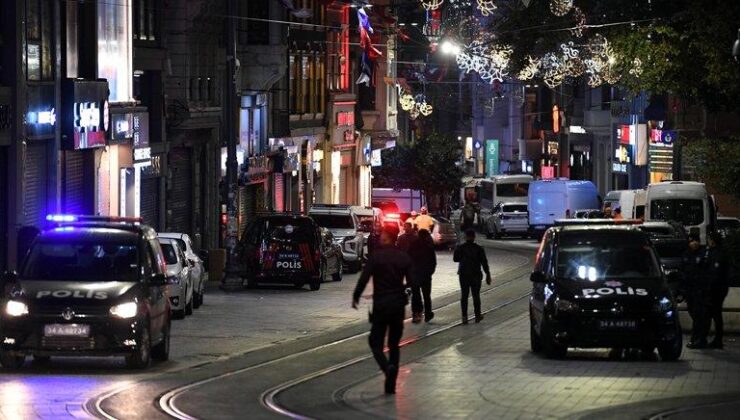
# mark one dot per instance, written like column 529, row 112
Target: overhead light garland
column 486, row 7
column 432, row 4
column 415, row 105
column 560, row 7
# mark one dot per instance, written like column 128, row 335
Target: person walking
column 389, row 269
column 696, row 291
column 408, row 237
column 467, row 217
column 423, row 265
column 471, row 257
column 716, row 276
column 424, row 221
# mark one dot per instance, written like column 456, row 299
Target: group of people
column 408, row 261
column 706, row 287
column 615, row 214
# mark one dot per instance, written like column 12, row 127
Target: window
column 170, row 254
column 40, row 45
column 82, row 260
column 114, row 48
column 307, row 82
column 144, row 20
column 512, row 190
column 333, row 221
column 686, row 212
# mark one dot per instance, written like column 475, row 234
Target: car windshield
column 515, row 208
column 170, row 253
column 589, row 256
column 685, row 211
column 333, row 221
column 82, row 261
column 512, row 190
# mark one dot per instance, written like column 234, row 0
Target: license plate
column 66, row 330
column 617, row 324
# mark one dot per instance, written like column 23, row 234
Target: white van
column 631, row 202
column 685, row 202
column 553, row 199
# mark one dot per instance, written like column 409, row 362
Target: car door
column 543, row 263
column 157, row 299
column 197, row 270
column 187, row 269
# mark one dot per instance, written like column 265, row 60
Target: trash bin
column 216, row 264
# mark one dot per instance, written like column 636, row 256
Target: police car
column 89, row 286
column 601, row 285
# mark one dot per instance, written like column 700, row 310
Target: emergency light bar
column 596, row 222
column 71, row 218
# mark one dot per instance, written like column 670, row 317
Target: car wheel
column 315, row 284
column 553, row 349
column 671, row 351
column 142, row 357
column 11, row 361
column 41, row 360
column 161, row 351
column 197, row 300
column 534, row 339
column 340, row 270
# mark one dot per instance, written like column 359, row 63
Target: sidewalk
column 494, row 375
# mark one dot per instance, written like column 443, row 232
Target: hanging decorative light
column 530, row 70
column 636, row 69
column 580, row 22
column 486, row 7
column 431, row 4
column 560, row 7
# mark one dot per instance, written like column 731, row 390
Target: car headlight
column 15, row 308
column 564, row 305
column 125, row 310
column 664, row 305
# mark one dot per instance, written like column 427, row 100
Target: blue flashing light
column 61, row 218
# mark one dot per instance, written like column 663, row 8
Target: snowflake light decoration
column 486, row 7
column 601, row 66
column 530, row 70
column 560, row 7
column 407, row 102
column 489, row 62
column 580, row 21
column 554, row 71
column 431, row 4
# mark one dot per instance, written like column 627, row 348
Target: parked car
column 331, row 255
column 343, row 223
column 589, row 214
column 282, row 248
column 728, row 225
column 179, row 279
column 89, row 286
column 507, row 219
column 601, row 286
column 197, row 266
column 669, row 240
column 444, row 234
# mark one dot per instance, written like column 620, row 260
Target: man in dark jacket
column 471, row 258
column 716, row 277
column 423, row 265
column 696, row 291
column 389, row 267
column 406, row 238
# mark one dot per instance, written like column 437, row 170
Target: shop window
column 40, row 45
column 145, row 20
column 307, row 82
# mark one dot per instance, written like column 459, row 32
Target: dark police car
column 601, row 286
column 91, row 286
column 284, row 248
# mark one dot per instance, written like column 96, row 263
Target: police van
column 598, row 285
column 89, row 286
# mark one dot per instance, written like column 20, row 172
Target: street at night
column 395, row 209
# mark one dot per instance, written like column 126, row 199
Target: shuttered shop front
column 150, row 201
column 35, row 179
column 179, row 199
column 78, row 193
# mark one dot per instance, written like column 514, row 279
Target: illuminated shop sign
column 345, row 118
column 144, row 153
column 84, row 115
column 130, row 127
column 43, row 117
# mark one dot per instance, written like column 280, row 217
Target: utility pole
column 231, row 280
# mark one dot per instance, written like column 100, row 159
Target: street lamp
column 449, row 48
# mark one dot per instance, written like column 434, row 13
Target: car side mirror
column 158, row 279
column 537, row 277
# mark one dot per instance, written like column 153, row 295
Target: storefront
column 288, row 181
column 621, row 166
column 344, row 163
